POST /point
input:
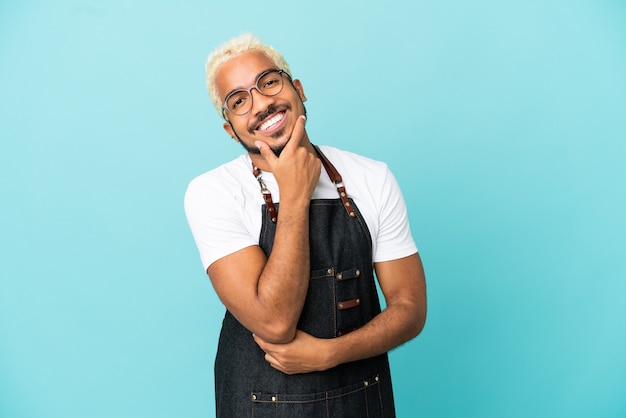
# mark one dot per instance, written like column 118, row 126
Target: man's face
column 271, row 118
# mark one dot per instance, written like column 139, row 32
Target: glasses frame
column 255, row 86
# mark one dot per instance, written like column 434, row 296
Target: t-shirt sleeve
column 217, row 225
column 394, row 239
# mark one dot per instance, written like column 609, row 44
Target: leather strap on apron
column 334, row 175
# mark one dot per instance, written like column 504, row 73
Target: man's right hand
column 297, row 169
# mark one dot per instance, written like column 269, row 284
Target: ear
column 230, row 131
column 298, row 86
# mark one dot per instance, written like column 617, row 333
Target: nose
column 260, row 102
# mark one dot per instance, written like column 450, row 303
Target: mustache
column 271, row 109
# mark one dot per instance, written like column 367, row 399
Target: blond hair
column 234, row 47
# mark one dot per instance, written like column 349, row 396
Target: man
column 290, row 235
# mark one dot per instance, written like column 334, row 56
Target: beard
column 254, row 150
column 276, row 149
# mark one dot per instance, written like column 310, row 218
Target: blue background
column 504, row 122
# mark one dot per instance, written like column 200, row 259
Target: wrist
column 331, row 354
column 295, row 201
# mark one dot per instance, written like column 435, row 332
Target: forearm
column 394, row 326
column 306, row 354
column 283, row 283
column 265, row 293
column 403, row 284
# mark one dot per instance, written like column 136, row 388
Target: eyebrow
column 256, row 78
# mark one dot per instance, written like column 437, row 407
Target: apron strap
column 334, row 175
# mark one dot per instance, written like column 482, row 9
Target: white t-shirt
column 223, row 206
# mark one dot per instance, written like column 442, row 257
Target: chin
column 277, row 149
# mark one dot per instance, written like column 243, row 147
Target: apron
column 342, row 297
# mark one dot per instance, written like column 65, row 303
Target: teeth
column 271, row 121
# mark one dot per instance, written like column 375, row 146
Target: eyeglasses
column 269, row 83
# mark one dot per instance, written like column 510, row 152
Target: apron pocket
column 362, row 399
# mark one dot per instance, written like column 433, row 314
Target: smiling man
column 293, row 237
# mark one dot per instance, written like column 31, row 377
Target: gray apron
column 342, row 297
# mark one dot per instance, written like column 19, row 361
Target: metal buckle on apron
column 334, row 175
column 267, row 196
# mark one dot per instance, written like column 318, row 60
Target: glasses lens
column 239, row 102
column 270, row 84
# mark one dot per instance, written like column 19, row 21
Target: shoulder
column 221, row 207
column 378, row 196
column 217, row 192
column 225, row 179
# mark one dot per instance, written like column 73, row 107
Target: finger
column 297, row 134
column 266, row 152
column 260, row 341
column 278, row 365
column 267, row 347
column 273, row 362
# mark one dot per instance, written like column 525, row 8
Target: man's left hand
column 304, row 354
